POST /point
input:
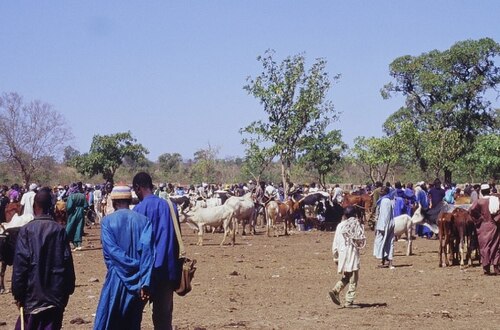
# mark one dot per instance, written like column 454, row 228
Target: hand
column 19, row 304
column 144, row 293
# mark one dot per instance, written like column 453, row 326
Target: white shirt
column 342, row 248
column 27, row 200
column 337, row 194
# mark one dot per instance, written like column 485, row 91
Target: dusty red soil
column 283, row 283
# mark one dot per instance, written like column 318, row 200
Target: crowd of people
column 141, row 250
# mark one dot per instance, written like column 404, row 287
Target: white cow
column 243, row 210
column 17, row 221
column 273, row 216
column 403, row 224
column 213, row 216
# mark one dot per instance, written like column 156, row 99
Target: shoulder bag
column 187, row 266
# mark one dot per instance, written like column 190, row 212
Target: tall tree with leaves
column 375, row 156
column 107, row 153
column 204, row 168
column 445, row 91
column 322, row 153
column 294, row 100
column 30, row 133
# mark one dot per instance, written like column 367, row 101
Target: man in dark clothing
column 43, row 275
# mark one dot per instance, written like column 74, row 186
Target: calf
column 403, row 224
column 462, row 232
column 445, row 232
column 214, row 216
column 272, row 210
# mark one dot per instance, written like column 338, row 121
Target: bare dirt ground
column 283, row 283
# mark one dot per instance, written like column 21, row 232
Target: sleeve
column 475, row 212
column 69, row 267
column 70, row 205
column 335, row 245
column 125, row 267
column 147, row 255
column 21, row 266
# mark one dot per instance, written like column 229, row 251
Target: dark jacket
column 43, row 274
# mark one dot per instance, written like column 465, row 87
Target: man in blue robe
column 127, row 247
column 383, row 248
column 166, row 267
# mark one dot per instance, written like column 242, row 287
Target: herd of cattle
column 456, row 230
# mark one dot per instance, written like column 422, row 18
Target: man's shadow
column 372, row 305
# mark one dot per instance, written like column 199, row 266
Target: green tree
column 30, row 133
column 375, row 156
column 107, row 153
column 204, row 168
column 69, row 154
column 170, row 163
column 295, row 104
column 322, row 153
column 257, row 160
column 484, row 159
column 445, row 91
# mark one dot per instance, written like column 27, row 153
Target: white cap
column 420, row 183
column 33, row 186
column 485, row 186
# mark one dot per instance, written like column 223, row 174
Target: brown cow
column 359, row 202
column 445, row 231
column 11, row 209
column 60, row 214
column 462, row 232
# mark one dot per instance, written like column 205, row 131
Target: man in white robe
column 383, row 248
column 349, row 238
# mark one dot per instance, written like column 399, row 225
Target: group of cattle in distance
column 229, row 212
column 456, row 230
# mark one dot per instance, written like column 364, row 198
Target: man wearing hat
column 127, row 249
column 28, row 199
column 486, row 214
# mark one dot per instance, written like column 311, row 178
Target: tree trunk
column 285, row 177
column 447, row 175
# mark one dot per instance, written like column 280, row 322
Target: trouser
column 163, row 306
column 50, row 319
column 350, row 278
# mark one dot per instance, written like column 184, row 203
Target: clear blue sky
column 172, row 71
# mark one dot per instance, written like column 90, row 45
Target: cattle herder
column 486, row 214
column 127, row 249
column 349, row 238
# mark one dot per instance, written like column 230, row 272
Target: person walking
column 43, row 275
column 383, row 247
column 485, row 213
column 166, row 267
column 349, row 238
column 27, row 200
column 127, row 249
column 75, row 208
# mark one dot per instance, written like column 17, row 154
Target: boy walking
column 349, row 238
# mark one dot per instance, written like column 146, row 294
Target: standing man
column 75, row 208
column 127, row 250
column 384, row 230
column 166, row 267
column 486, row 214
column 349, row 238
column 28, row 199
column 436, row 197
column 43, row 276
